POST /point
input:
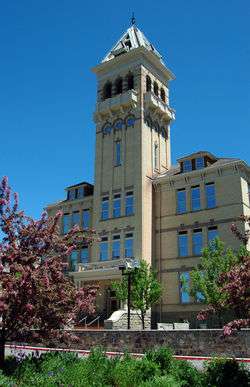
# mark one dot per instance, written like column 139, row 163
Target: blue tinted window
column 116, row 246
column 187, row 165
column 75, row 218
column 104, row 249
column 66, row 223
column 181, row 201
column 130, row 121
column 129, row 246
column 107, row 129
column 129, row 203
column 80, row 192
column 197, row 242
column 84, row 256
column 117, row 206
column 184, row 287
column 183, row 244
column 85, row 218
column 71, row 194
column 210, row 195
column 105, row 208
column 195, row 199
column 73, row 260
column 199, row 163
column 118, row 125
column 118, row 153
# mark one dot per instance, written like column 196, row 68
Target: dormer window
column 199, row 163
column 187, row 165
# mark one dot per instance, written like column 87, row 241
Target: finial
column 133, row 21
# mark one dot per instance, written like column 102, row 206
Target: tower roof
column 131, row 39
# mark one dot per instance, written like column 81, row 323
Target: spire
column 133, row 21
column 131, row 39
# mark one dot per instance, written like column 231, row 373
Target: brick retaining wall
column 190, row 342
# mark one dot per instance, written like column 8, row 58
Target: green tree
column 145, row 289
column 205, row 285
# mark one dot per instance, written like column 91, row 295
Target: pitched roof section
column 131, row 39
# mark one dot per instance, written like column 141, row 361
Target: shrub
column 162, row 356
column 161, row 381
column 186, row 374
column 131, row 372
column 226, row 372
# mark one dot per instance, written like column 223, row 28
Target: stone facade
column 133, row 165
column 186, row 343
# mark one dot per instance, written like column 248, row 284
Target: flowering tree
column 234, row 286
column 34, row 292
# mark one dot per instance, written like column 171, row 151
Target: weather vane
column 133, row 21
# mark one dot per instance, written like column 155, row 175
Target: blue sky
column 47, row 91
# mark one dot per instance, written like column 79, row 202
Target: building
column 140, row 205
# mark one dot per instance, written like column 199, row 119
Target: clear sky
column 47, row 91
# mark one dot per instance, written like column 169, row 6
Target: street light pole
column 129, row 291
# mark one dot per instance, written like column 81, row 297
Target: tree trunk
column 143, row 320
column 2, row 348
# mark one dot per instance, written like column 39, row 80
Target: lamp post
column 129, row 265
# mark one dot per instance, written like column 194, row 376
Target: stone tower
column 132, row 119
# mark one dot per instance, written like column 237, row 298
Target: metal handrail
column 95, row 319
column 83, row 319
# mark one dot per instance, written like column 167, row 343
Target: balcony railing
column 154, row 103
column 121, row 101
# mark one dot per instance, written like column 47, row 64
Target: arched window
column 118, row 124
column 107, row 90
column 118, row 86
column 148, row 83
column 107, row 128
column 163, row 95
column 156, row 89
column 130, row 121
column 130, row 81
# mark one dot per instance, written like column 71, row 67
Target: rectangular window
column 210, row 195
column 118, row 159
column 212, row 233
column 105, row 208
column 181, row 201
column 187, row 165
column 66, row 223
column 129, row 248
column 155, row 156
column 116, row 247
column 80, row 193
column 129, row 203
column 199, row 163
column 74, row 260
column 197, row 242
column 84, row 255
column 195, row 198
column 85, row 219
column 104, row 255
column 117, row 205
column 71, row 194
column 184, row 287
column 75, row 218
column 183, row 244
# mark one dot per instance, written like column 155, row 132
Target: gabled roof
column 131, row 39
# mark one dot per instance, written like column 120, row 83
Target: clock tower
column 132, row 117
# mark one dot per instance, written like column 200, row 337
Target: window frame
column 178, row 201
column 105, row 200
column 129, row 195
column 209, row 196
column 116, row 241
column 129, row 237
column 179, row 237
column 196, row 232
column 116, row 199
column 195, row 200
column 104, row 243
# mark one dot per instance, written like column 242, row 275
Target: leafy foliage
column 215, row 261
column 226, row 372
column 35, row 293
column 145, row 289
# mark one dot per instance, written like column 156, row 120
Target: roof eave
column 136, row 52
